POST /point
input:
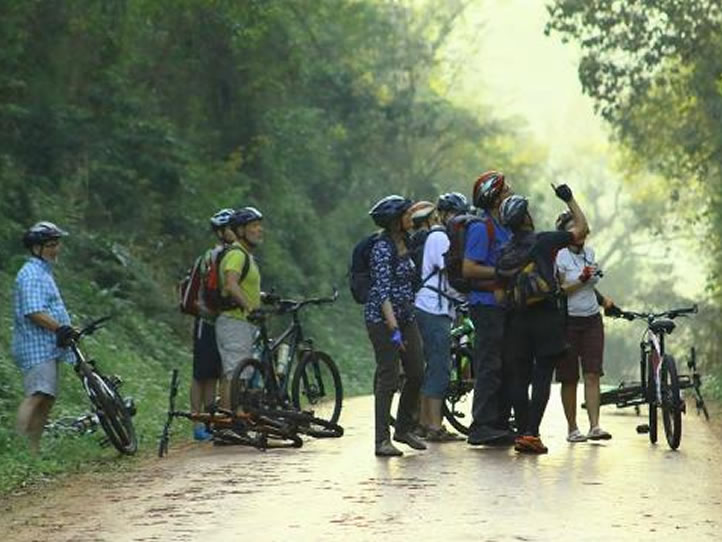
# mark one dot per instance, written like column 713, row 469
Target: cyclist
column 434, row 314
column 579, row 274
column 206, row 359
column 41, row 329
column 392, row 327
column 241, row 295
column 534, row 338
column 489, row 424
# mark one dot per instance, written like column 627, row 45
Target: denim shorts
column 42, row 378
column 435, row 332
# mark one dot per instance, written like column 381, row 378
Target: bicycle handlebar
column 93, row 326
column 650, row 316
column 284, row 306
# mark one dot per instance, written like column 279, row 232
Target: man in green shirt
column 241, row 289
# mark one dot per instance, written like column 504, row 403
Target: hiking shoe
column 410, row 440
column 490, row 437
column 527, row 444
column 200, row 433
column 442, row 435
column 386, row 449
column 597, row 433
column 420, row 431
column 576, row 436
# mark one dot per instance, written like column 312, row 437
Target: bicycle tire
column 310, row 386
column 112, row 413
column 303, row 422
column 671, row 402
column 248, row 385
column 164, row 440
column 458, row 391
column 652, row 401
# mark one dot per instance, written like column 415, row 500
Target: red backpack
column 456, row 229
column 188, row 289
column 212, row 297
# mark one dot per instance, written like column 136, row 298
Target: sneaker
column 490, row 437
column 200, row 433
column 576, row 436
column 386, row 449
column 410, row 440
column 527, row 444
column 420, row 431
column 442, row 435
column 597, row 433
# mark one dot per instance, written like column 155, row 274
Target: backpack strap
column 490, row 230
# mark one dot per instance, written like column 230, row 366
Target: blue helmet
column 513, row 210
column 387, row 209
column 454, row 202
column 245, row 216
column 42, row 232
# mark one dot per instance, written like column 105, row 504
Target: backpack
column 211, row 294
column 456, row 229
column 416, row 245
column 359, row 273
column 188, row 289
column 524, row 283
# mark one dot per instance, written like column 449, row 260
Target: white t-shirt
column 437, row 243
column 583, row 302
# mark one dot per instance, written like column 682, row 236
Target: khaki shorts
column 235, row 339
column 42, row 378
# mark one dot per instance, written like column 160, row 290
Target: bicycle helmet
column 222, row 218
column 454, row 202
column 387, row 209
column 487, row 187
column 41, row 233
column 245, row 216
column 420, row 211
column 563, row 220
column 513, row 210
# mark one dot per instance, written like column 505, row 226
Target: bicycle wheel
column 459, row 395
column 301, row 421
column 671, row 402
column 113, row 416
column 316, row 386
column 248, row 385
column 652, row 401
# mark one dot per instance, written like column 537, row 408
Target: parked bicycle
column 458, row 399
column 291, row 358
column 660, row 384
column 113, row 412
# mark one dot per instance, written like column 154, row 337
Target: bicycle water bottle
column 282, row 358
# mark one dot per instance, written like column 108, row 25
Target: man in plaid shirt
column 41, row 329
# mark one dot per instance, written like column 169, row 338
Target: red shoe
column 527, row 444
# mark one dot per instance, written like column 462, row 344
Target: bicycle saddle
column 663, row 326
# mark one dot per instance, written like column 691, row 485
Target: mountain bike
column 458, row 399
column 113, row 412
column 248, row 429
column 659, row 385
column 262, row 384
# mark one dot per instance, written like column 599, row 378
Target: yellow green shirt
column 234, row 260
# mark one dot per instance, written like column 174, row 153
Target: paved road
column 624, row 489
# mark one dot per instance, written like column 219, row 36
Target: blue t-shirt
column 479, row 251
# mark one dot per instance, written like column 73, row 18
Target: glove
column 563, row 192
column 586, row 274
column 269, row 298
column 64, row 335
column 613, row 311
column 396, row 339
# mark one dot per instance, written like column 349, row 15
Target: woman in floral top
column 389, row 314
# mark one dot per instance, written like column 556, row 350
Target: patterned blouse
column 391, row 278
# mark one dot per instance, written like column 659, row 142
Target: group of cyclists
column 517, row 348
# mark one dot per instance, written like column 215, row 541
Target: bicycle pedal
column 643, row 428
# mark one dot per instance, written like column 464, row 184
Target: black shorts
column 206, row 359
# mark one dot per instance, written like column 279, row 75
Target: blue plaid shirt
column 35, row 291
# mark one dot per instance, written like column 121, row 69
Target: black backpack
column 524, row 283
column 456, row 229
column 359, row 274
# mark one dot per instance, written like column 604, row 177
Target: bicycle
column 262, row 384
column 461, row 378
column 261, row 432
column 660, row 385
column 113, row 412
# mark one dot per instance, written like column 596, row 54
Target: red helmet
column 487, row 187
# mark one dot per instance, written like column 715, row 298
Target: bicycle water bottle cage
column 662, row 326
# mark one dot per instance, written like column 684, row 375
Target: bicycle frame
column 652, row 348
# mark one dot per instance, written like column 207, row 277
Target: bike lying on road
column 660, row 384
column 113, row 412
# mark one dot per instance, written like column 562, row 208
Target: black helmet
column 563, row 220
column 41, row 233
column 513, row 210
column 222, row 218
column 454, row 202
column 245, row 216
column 389, row 208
